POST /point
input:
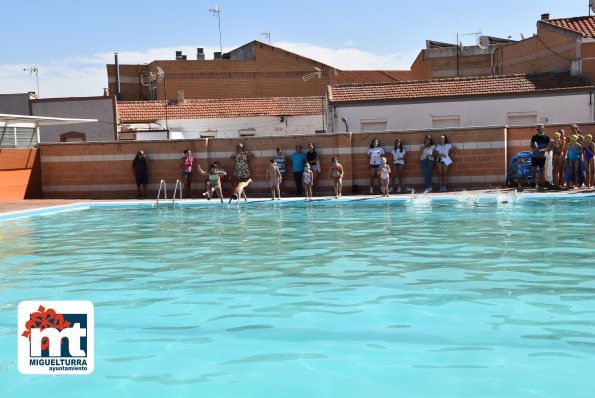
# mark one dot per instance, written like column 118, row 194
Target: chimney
column 106, row 92
column 545, row 16
column 181, row 97
column 217, row 55
column 200, row 54
column 179, row 56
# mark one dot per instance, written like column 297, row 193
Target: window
column 250, row 132
column 445, row 121
column 73, row 136
column 208, row 134
column 373, row 124
column 522, row 118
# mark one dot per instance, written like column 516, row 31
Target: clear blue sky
column 70, row 41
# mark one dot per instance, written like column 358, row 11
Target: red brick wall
column 546, row 52
column 20, row 174
column 274, row 73
column 96, row 170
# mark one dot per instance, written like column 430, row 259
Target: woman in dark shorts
column 140, row 169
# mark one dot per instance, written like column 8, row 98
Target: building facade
column 250, row 71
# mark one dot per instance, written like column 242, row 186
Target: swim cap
column 573, row 137
column 557, row 135
column 588, row 137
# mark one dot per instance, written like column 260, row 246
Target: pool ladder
column 163, row 185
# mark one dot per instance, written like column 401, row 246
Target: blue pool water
column 472, row 297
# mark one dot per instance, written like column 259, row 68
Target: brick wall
column 20, row 174
column 274, row 73
column 546, row 52
column 96, row 170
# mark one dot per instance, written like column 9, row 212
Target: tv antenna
column 267, row 36
column 161, row 78
column 216, row 12
column 312, row 75
column 32, row 70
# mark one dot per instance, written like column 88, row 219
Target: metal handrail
column 178, row 184
column 162, row 184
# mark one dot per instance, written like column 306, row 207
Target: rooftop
column 460, row 87
column 584, row 26
column 372, row 76
column 147, row 111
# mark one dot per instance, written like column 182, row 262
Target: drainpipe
column 505, row 153
column 118, row 92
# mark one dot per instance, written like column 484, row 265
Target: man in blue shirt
column 297, row 166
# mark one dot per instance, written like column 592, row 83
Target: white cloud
column 352, row 58
column 86, row 75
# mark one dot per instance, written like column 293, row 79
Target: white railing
column 178, row 184
column 164, row 186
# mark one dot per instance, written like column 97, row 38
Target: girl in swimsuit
column 238, row 191
column 589, row 151
column 337, row 176
column 308, row 180
column 573, row 157
column 384, row 173
column 557, row 159
column 186, row 165
column 214, row 181
column 274, row 176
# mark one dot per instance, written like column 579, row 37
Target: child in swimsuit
column 556, row 147
column 384, row 172
column 574, row 153
column 308, row 180
column 273, row 174
column 214, row 181
column 337, row 176
column 238, row 190
column 588, row 152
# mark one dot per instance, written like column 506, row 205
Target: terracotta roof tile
column 582, row 25
column 147, row 111
column 372, row 76
column 459, row 87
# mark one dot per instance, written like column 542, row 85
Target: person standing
column 308, row 177
column 443, row 151
column 297, row 166
column 314, row 162
column 539, row 144
column 375, row 154
column 273, row 175
column 241, row 171
column 426, row 156
column 140, row 169
column 280, row 162
column 398, row 164
column 337, row 176
column 384, row 174
column 186, row 164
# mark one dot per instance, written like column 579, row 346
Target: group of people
column 307, row 168
column 564, row 162
column 430, row 156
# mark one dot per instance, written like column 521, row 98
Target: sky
column 69, row 42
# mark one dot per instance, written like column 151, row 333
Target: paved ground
column 31, row 204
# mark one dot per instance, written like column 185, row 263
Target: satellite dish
column 483, row 42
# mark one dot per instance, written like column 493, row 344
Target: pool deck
column 34, row 204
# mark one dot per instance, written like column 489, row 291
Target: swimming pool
column 465, row 297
